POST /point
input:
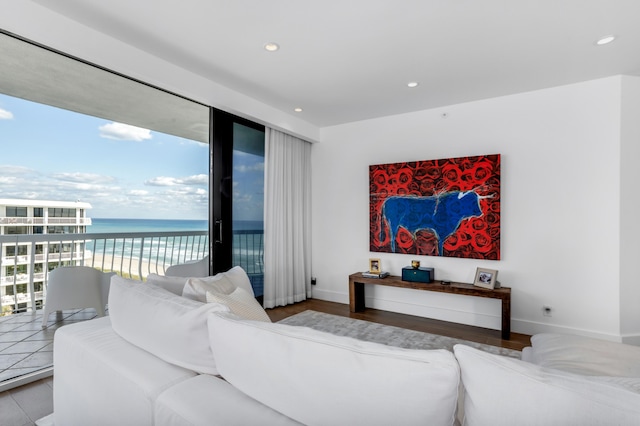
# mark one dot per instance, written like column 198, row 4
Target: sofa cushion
column 101, row 379
column 318, row 378
column 170, row 327
column 584, row 355
column 507, row 391
column 196, row 288
column 210, row 401
column 241, row 303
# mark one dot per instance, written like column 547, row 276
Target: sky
column 123, row 171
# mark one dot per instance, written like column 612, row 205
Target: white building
column 20, row 286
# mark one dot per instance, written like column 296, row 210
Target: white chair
column 198, row 268
column 71, row 287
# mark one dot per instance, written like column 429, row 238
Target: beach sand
column 127, row 267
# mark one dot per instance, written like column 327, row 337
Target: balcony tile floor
column 26, row 347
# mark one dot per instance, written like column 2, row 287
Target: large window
column 12, row 230
column 72, row 131
column 129, row 149
column 133, row 119
column 62, row 212
column 17, row 251
column 16, row 211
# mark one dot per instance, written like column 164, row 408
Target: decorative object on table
column 375, row 275
column 417, row 275
column 374, row 266
column 466, row 222
column 415, row 264
column 486, row 278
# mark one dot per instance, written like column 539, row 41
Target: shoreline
column 125, row 265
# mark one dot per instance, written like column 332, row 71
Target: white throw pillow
column 172, row 284
column 241, row 303
column 169, row 326
column 318, row 378
column 584, row 355
column 196, row 288
column 507, row 391
column 240, row 279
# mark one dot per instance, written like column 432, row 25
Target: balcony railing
column 42, row 221
column 135, row 255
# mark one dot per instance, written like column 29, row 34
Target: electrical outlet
column 313, row 281
column 546, row 310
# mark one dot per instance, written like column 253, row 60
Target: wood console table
column 357, row 282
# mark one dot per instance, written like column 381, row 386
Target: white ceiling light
column 605, row 40
column 271, row 47
column 298, row 109
column 413, row 84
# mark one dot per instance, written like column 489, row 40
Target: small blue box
column 420, row 275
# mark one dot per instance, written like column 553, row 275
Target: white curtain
column 287, row 219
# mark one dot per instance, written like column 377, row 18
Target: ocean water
column 100, row 225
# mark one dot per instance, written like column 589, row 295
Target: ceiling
column 349, row 60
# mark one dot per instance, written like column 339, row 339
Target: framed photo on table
column 486, row 278
column 374, row 266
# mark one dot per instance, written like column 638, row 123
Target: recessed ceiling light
column 271, row 47
column 413, row 84
column 605, row 40
column 298, row 109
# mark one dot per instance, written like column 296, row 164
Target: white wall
column 630, row 211
column 560, row 220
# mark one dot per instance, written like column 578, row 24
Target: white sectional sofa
column 165, row 357
column 502, row 391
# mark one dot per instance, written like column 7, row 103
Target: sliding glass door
column 237, row 196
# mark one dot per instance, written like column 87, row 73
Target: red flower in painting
column 404, row 240
column 451, row 173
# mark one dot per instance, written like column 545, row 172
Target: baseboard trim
column 329, row 296
column 631, row 339
column 473, row 318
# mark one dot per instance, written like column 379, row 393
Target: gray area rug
column 385, row 334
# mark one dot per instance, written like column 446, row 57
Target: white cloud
column 5, row 115
column 15, row 170
column 162, row 181
column 124, row 132
column 195, row 180
column 84, row 178
column 7, row 180
column 201, row 179
column 138, row 192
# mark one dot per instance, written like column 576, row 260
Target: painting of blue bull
column 440, row 214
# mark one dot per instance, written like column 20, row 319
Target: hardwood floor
column 24, row 405
column 427, row 325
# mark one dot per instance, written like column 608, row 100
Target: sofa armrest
column 101, row 379
column 584, row 355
